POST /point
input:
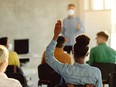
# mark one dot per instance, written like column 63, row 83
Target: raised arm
column 57, row 30
column 50, row 59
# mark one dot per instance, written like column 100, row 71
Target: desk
column 24, row 58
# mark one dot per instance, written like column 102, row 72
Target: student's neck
column 70, row 16
column 80, row 60
column 59, row 47
column 103, row 42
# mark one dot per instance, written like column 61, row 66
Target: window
column 97, row 4
column 108, row 4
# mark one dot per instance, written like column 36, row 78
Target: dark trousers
column 68, row 49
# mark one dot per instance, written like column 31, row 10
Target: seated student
column 13, row 56
column 79, row 72
column 59, row 53
column 4, row 80
column 102, row 53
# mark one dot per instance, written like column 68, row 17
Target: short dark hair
column 71, row 5
column 103, row 34
column 60, row 41
column 81, row 46
column 3, row 41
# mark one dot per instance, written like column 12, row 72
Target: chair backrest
column 15, row 72
column 106, row 69
column 13, row 69
column 65, row 85
column 61, row 85
column 112, row 79
column 45, row 72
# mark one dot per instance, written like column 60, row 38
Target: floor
column 31, row 73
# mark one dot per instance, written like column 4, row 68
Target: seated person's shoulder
column 94, row 48
column 95, row 69
column 14, row 82
column 13, row 53
column 66, row 53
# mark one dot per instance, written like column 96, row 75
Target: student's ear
column 99, row 40
column 87, row 54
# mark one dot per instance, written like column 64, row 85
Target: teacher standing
column 72, row 27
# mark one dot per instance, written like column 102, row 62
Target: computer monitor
column 21, row 46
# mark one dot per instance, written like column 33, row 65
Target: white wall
column 33, row 19
column 113, row 42
column 96, row 21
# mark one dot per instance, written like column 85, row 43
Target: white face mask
column 10, row 47
column 71, row 12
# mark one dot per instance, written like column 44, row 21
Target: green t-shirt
column 102, row 54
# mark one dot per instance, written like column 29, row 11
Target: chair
column 61, row 85
column 47, row 76
column 16, row 73
column 13, row 69
column 65, row 85
column 106, row 69
column 112, row 79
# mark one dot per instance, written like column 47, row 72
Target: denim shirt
column 76, row 73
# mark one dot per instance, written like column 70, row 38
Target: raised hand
column 57, row 29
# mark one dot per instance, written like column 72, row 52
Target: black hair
column 81, row 46
column 60, row 41
column 103, row 34
column 3, row 41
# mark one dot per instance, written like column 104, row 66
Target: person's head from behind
column 3, row 58
column 81, row 47
column 71, row 9
column 60, row 42
column 101, row 37
column 4, row 42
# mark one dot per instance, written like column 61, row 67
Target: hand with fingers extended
column 57, row 29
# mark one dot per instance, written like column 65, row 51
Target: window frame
column 89, row 8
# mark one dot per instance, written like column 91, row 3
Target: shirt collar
column 102, row 44
column 59, row 49
column 81, row 65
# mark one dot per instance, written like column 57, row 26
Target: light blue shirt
column 70, row 30
column 76, row 73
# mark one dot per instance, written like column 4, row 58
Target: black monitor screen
column 21, row 46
